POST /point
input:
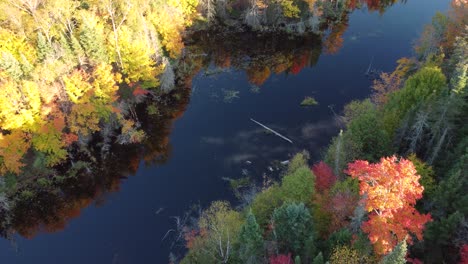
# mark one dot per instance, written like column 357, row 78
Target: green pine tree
column 293, row 226
column 66, row 47
column 26, row 66
column 319, row 259
column 397, row 256
column 251, row 241
column 92, row 43
column 43, row 47
column 10, row 65
column 297, row 260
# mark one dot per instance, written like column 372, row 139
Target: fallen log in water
column 271, row 130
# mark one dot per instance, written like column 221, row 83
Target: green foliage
column 91, row 38
column 365, row 130
column 292, row 226
column 450, row 207
column 43, row 182
column 397, row 256
column 67, row 49
column 239, row 183
column 250, row 240
column 427, row 175
column 290, row 9
column 26, row 194
column 10, row 65
column 423, row 87
column 50, row 143
column 319, row 259
column 365, row 136
column 349, row 184
column 26, row 66
column 221, row 228
column 345, row 255
column 362, row 245
column 309, row 101
column 459, row 66
column 339, row 238
column 298, row 186
column 44, row 50
column 265, row 203
column 451, row 195
column 299, row 160
column 77, row 48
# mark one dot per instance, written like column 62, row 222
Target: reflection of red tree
column 71, row 211
column 334, row 41
column 352, row 4
column 373, row 4
column 301, row 61
column 258, row 74
column 222, row 58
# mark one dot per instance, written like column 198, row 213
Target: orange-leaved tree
column 391, row 189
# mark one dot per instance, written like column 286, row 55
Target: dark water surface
column 215, row 137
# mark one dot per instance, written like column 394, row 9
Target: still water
column 212, row 136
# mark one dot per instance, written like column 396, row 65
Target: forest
column 89, row 89
column 391, row 187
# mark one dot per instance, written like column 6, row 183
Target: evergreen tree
column 91, row 38
column 10, row 65
column 319, row 259
column 292, row 223
column 397, row 256
column 251, row 241
column 297, row 260
column 43, row 47
column 168, row 77
column 66, row 48
column 26, row 66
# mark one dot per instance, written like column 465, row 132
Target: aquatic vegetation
column 309, row 101
column 230, row 95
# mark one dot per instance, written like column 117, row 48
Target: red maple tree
column 324, row 176
column 392, row 189
column 281, row 259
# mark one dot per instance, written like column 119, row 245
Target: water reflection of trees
column 259, row 55
column 79, row 153
column 44, row 199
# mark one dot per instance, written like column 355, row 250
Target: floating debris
column 248, row 162
column 160, row 210
column 285, row 162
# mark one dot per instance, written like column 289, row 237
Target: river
column 213, row 136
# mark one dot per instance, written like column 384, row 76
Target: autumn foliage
column 464, row 254
column 324, row 176
column 391, row 188
column 281, row 259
